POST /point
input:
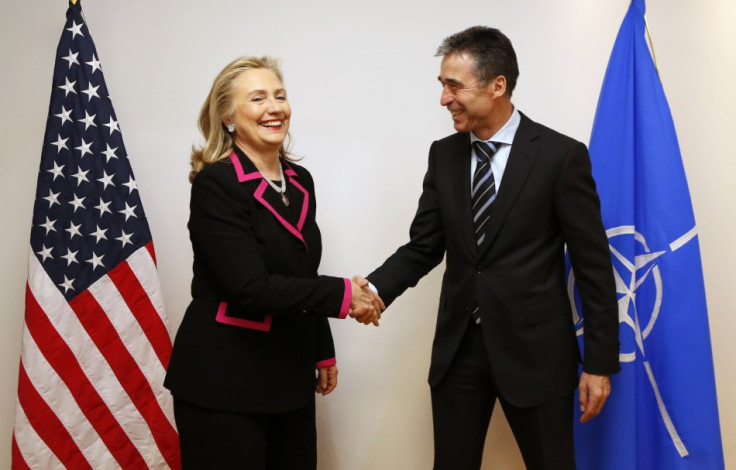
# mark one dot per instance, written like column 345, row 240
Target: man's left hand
column 594, row 390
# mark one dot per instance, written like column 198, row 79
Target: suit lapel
column 292, row 218
column 461, row 189
column 524, row 152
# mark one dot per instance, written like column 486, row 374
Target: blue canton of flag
column 96, row 342
column 87, row 215
column 662, row 412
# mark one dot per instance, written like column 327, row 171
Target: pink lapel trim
column 240, row 172
column 259, row 197
column 305, row 203
column 242, row 177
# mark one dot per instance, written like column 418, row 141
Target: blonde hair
column 220, row 104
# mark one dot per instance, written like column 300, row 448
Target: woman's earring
column 231, row 128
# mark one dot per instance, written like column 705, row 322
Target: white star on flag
column 77, row 203
column 124, row 238
column 99, row 234
column 72, row 58
column 110, row 153
column 70, row 256
column 60, row 144
column 132, row 185
column 96, row 261
column 49, row 225
column 64, row 115
column 113, row 125
column 45, row 252
column 91, row 92
column 68, row 87
column 52, row 198
column 84, row 148
column 88, row 120
column 73, row 230
column 94, row 63
column 103, row 207
column 80, row 176
column 128, row 211
column 106, row 179
column 56, row 171
column 76, row 29
column 67, row 284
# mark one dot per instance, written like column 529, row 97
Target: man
column 503, row 211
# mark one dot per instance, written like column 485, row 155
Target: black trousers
column 212, row 439
column 462, row 404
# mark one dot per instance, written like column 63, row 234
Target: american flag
column 96, row 342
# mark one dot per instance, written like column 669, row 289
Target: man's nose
column 446, row 98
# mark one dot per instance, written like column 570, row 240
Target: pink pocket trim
column 221, row 317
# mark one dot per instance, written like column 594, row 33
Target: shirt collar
column 506, row 134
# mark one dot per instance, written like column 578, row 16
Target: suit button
column 304, row 312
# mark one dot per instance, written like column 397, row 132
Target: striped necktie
column 483, row 189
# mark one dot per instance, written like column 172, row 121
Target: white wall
column 362, row 83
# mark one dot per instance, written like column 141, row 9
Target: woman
column 242, row 371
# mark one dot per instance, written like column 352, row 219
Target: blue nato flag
column 663, row 411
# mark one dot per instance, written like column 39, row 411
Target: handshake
column 365, row 305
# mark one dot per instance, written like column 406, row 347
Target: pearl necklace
column 281, row 190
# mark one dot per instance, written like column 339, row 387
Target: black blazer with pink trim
column 257, row 324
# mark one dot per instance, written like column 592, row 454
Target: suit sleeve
column 221, row 231
column 578, row 208
column 426, row 246
column 324, row 345
column 325, row 353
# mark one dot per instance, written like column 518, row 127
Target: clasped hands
column 365, row 305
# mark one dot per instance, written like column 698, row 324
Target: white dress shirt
column 505, row 135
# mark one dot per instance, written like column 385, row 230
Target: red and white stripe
column 90, row 392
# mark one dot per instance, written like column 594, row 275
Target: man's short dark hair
column 492, row 51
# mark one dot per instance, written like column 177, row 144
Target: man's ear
column 497, row 86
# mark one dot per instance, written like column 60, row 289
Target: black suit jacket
column 256, row 326
column 547, row 199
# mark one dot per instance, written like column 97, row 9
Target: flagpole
column 649, row 40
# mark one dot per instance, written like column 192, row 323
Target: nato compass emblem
column 639, row 291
